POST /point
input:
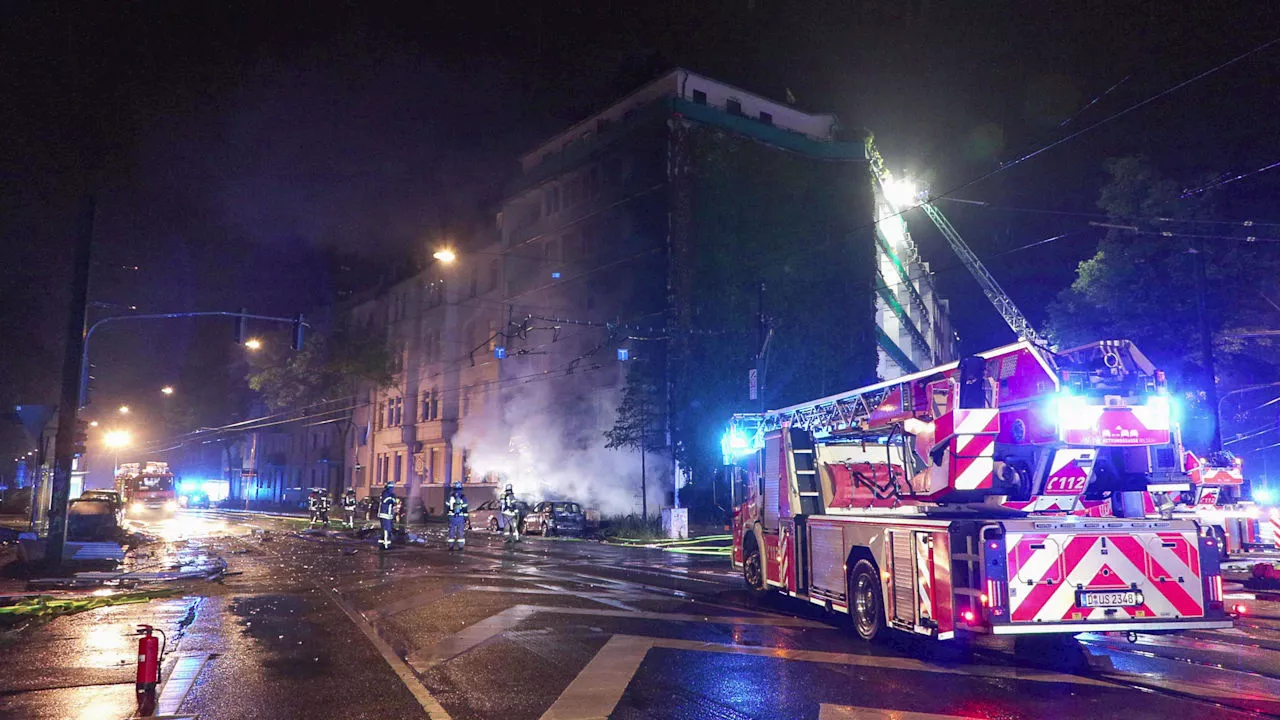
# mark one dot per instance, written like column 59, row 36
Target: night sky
column 231, row 149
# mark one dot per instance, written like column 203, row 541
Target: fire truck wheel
column 865, row 601
column 753, row 571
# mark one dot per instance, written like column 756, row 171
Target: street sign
column 499, row 352
column 623, row 354
column 752, row 391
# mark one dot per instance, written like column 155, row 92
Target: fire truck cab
column 1003, row 494
column 1214, row 495
column 148, row 489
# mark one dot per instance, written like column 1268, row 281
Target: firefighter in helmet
column 324, row 505
column 386, row 514
column 349, row 507
column 511, row 514
column 313, row 507
column 457, row 509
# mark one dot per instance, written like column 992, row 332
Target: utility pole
column 1206, row 345
column 69, row 402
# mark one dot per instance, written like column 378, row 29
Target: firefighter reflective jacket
column 387, row 508
column 457, row 507
column 509, row 506
column 349, row 501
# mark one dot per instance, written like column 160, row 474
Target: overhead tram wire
column 787, row 253
column 1103, row 216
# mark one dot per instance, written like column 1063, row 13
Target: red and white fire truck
column 1214, row 496
column 147, row 488
column 1005, row 494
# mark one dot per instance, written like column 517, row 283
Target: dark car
column 111, row 496
column 91, row 520
column 556, row 518
column 486, row 514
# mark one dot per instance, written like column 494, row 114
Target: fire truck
column 147, row 488
column 1004, row 494
column 1213, row 494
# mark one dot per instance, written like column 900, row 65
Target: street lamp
column 253, row 344
column 167, row 389
column 93, row 423
column 445, row 255
column 116, row 439
column 124, row 409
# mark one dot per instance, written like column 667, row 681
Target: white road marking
column 425, row 699
column 474, row 635
column 181, row 678
column 846, row 712
column 597, row 689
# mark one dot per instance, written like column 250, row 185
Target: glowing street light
column 445, row 255
column 93, row 423
column 116, row 439
column 253, row 344
column 124, row 410
column 167, row 389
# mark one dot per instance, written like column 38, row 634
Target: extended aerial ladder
column 990, row 287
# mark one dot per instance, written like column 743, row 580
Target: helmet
column 509, row 489
column 457, row 486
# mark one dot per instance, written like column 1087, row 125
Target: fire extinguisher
column 150, row 654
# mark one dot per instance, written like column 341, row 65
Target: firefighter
column 325, row 504
column 386, row 513
column 349, row 507
column 511, row 514
column 457, row 509
column 313, row 507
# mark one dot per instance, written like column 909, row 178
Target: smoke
column 550, row 447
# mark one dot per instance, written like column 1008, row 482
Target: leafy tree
column 641, row 419
column 1144, row 284
column 328, row 367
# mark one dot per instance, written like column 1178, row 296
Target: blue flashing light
column 1264, row 495
column 555, row 276
column 735, row 444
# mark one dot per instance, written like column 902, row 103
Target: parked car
column 91, row 520
column 556, row 518
column 111, row 496
column 485, row 515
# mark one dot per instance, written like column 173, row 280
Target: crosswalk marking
column 846, row 712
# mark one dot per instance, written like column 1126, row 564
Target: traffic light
column 80, row 440
column 242, row 326
column 298, row 329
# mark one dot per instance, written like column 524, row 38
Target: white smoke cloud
column 550, row 449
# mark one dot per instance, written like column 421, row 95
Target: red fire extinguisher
column 150, row 654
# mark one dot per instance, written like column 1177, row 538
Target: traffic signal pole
column 72, row 377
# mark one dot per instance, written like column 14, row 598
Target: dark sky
column 226, row 143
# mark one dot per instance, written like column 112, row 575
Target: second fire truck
column 1004, row 494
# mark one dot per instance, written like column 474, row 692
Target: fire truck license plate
column 1127, row 598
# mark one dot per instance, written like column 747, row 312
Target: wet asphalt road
column 327, row 627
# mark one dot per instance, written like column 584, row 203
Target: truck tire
column 866, row 602
column 753, row 571
column 1221, row 537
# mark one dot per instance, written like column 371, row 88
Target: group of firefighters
column 391, row 509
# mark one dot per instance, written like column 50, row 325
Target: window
column 733, row 106
column 495, row 271
column 699, row 97
column 399, row 467
column 466, row 403
column 766, row 118
column 551, row 251
column 397, row 406
column 380, row 416
column 315, row 440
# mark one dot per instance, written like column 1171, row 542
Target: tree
column 328, row 367
column 641, row 420
column 1144, row 283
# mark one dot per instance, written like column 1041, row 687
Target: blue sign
column 624, row 354
column 555, row 276
column 499, row 352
